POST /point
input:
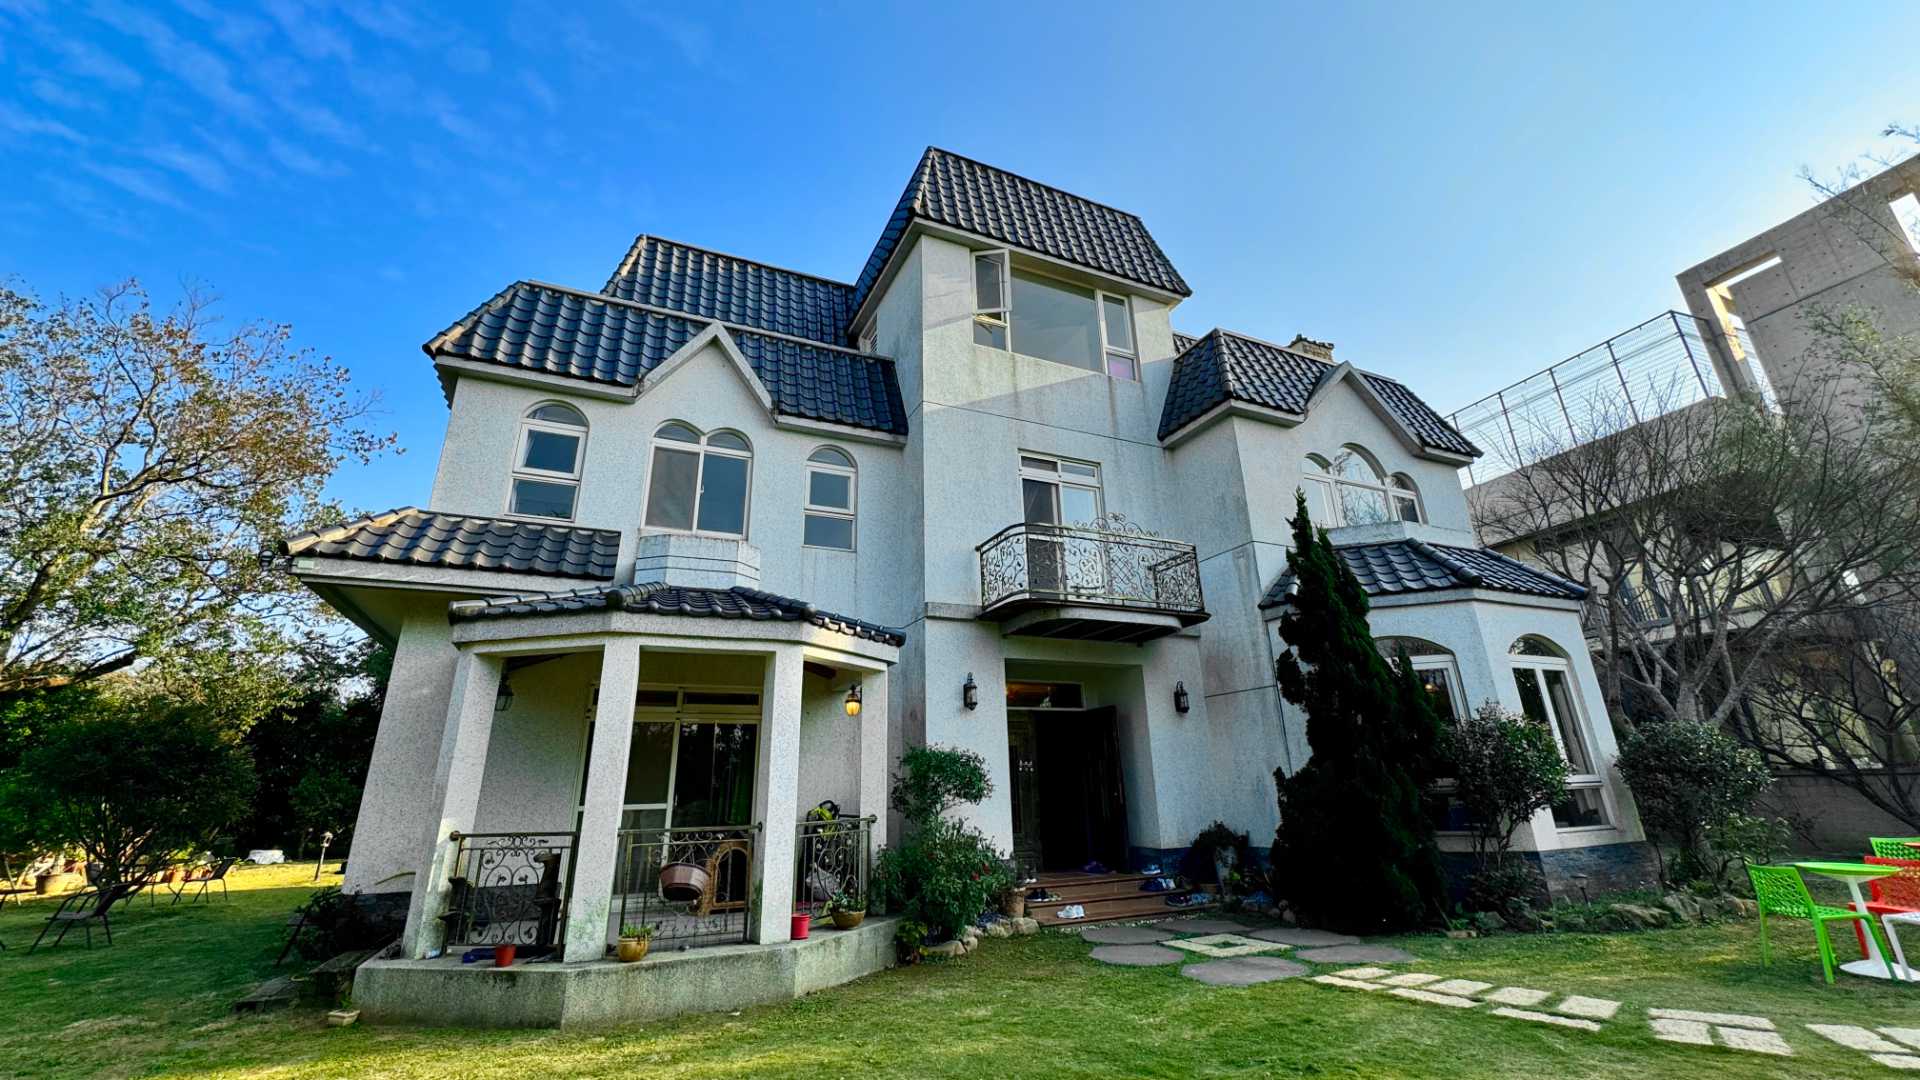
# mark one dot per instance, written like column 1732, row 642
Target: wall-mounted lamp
column 853, row 700
column 503, row 698
column 1180, row 702
column 970, row 693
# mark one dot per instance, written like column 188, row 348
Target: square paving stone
column 1691, row 1032
column 1124, row 935
column 1300, row 935
column 1363, row 972
column 1910, row 1036
column 1856, row 1038
column 1222, row 946
column 1350, row 984
column 1434, row 999
column 1546, row 1018
column 1755, row 1042
column 1137, row 955
column 1518, row 995
column 1897, row 1061
column 1759, row 1023
column 1590, row 1007
column 1411, row 978
column 1356, row 954
column 1204, row 926
column 1244, row 971
column 1462, row 987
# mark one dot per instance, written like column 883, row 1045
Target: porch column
column 456, row 787
column 597, row 850
column 776, row 796
column 873, row 753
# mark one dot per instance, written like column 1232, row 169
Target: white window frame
column 700, row 450
column 850, row 513
column 677, row 715
column 870, row 337
column 1595, row 782
column 1333, row 482
column 1059, row 477
column 1410, row 493
column 1001, row 317
column 520, row 470
column 1456, row 696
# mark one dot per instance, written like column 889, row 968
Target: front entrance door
column 1073, row 811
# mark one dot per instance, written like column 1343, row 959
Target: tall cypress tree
column 1355, row 850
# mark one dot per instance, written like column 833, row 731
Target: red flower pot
column 802, row 923
column 503, row 955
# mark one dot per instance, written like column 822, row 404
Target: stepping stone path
column 1754, row 1034
column 1124, row 935
column 1224, row 946
column 1204, row 926
column 1138, row 955
column 1880, row 1046
column 1304, row 938
column 1356, row 954
column 1244, row 971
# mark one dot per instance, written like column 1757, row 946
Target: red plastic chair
column 1891, row 895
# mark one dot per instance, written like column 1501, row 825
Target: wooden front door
column 1082, row 799
column 1023, row 764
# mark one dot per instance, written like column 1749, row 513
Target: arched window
column 831, row 483
column 1406, row 499
column 547, row 460
column 1544, row 677
column 699, row 483
column 1433, row 666
column 1348, row 490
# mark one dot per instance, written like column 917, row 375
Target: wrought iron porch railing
column 510, row 888
column 832, row 858
column 693, row 886
column 1111, row 562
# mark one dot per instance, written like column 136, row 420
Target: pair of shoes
column 1187, row 900
column 1041, row 896
column 1151, row 869
column 1095, row 867
column 1073, row 911
column 1159, row 884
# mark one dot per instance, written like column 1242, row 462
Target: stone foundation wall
column 1607, row 868
column 385, row 910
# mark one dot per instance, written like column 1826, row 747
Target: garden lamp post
column 325, row 839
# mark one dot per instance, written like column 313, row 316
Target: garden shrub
column 1357, row 805
column 1199, row 863
column 1506, row 768
column 1692, row 782
column 1505, row 887
column 943, row 873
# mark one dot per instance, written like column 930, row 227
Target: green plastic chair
column 1779, row 890
column 1886, row 847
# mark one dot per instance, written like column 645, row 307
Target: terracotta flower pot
column 503, row 955
column 632, row 949
column 847, row 920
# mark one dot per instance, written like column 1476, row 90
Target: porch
column 608, row 763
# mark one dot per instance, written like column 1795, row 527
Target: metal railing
column 693, row 886
column 510, row 888
column 1110, row 562
column 832, row 858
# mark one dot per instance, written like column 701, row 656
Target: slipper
column 1095, row 867
column 1073, row 911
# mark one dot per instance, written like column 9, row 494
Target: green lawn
column 157, row 1004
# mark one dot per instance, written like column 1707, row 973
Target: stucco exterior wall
column 390, row 841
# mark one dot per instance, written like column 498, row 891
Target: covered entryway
column 1069, row 795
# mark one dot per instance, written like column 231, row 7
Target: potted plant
column 846, row 909
column 634, row 942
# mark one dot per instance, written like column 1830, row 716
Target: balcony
column 1110, row 581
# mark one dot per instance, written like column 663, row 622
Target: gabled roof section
column 960, row 193
column 1224, row 366
column 1397, row 567
column 707, row 284
column 655, row 598
column 416, row 537
column 554, row 331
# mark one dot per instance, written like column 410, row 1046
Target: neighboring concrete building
column 1751, row 328
column 717, row 543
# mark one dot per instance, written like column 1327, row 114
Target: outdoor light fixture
column 1180, row 702
column 853, row 700
column 503, row 698
column 970, row 693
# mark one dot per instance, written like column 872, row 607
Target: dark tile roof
column 738, row 602
column 423, row 538
column 558, row 331
column 665, row 274
column 1182, row 342
column 1225, row 366
column 947, row 189
column 1408, row 566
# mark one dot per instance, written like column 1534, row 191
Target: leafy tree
column 126, row 779
column 1506, row 768
column 144, row 461
column 944, row 873
column 312, row 752
column 1690, row 780
column 1357, row 804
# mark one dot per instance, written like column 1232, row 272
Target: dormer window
column 546, row 473
column 1052, row 319
column 699, row 483
column 830, row 494
column 1352, row 490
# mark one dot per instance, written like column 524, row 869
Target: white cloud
column 196, row 167
column 539, row 90
column 198, row 67
column 21, row 122
column 309, row 31
column 91, row 62
column 387, row 20
column 694, row 41
column 299, row 160
column 59, row 96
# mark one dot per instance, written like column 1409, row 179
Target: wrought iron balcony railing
column 1109, row 563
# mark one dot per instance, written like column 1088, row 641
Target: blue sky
column 1455, row 194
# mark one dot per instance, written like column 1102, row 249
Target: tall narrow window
column 546, row 472
column 830, row 499
column 1123, row 359
column 990, row 298
column 699, row 483
column 1406, row 499
column 1544, row 678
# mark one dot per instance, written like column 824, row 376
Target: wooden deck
column 1107, row 898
